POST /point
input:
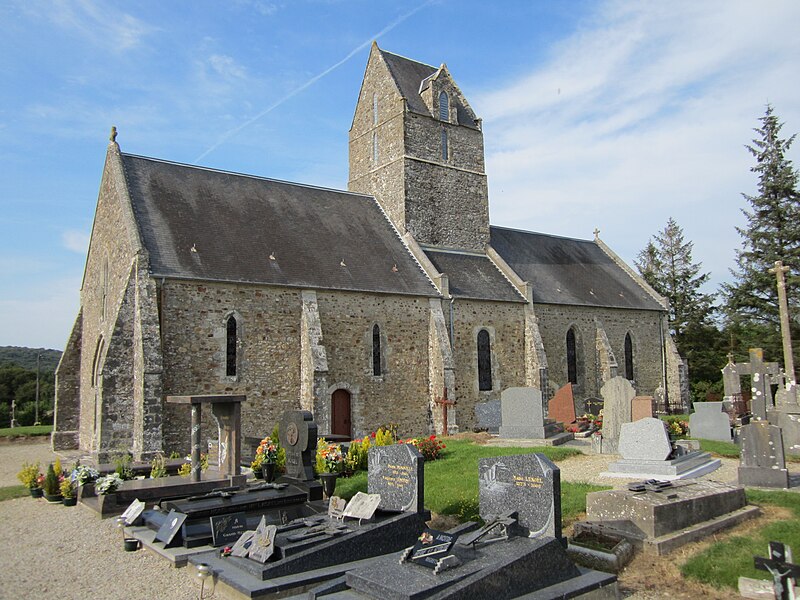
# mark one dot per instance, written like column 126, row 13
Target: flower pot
column 258, row 472
column 70, row 501
column 56, row 499
column 131, row 544
column 268, row 471
column 36, row 492
column 328, row 481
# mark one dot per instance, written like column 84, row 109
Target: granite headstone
column 641, row 407
column 298, row 435
column 562, row 405
column 396, row 473
column 522, row 413
column 762, row 461
column 617, row 395
column 710, row 422
column 488, row 415
column 529, row 484
column 645, row 439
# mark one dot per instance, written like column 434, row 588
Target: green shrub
column 51, row 483
column 158, row 468
column 29, row 475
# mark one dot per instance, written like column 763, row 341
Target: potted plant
column 108, row 484
column 265, row 459
column 52, row 492
column 329, row 464
column 84, row 477
column 29, row 476
column 67, row 489
column 158, row 468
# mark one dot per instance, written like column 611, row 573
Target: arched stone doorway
column 340, row 413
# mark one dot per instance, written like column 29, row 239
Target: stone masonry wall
column 112, row 250
column 194, row 335
column 400, row 394
column 505, row 322
column 644, row 327
column 68, row 392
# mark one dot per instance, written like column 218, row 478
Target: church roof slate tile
column 409, row 76
column 204, row 224
column 569, row 271
column 473, row 276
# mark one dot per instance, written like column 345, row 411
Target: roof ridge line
column 551, row 235
column 248, row 175
column 419, row 62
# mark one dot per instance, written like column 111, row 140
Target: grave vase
column 53, row 499
column 36, row 492
column 70, row 501
column 268, row 471
column 328, row 481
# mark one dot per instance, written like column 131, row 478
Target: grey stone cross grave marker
column 761, row 376
column 779, row 564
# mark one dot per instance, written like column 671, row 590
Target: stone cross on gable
column 779, row 564
column 761, row 379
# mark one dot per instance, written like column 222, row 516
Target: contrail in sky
column 311, row 81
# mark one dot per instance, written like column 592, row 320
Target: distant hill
column 26, row 357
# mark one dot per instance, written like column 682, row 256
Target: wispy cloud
column 640, row 115
column 75, row 241
column 228, row 135
column 95, row 21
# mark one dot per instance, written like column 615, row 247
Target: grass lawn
column 29, row 430
column 451, row 483
column 725, row 449
column 724, row 562
column 13, row 491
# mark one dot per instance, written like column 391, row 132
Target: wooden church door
column 341, row 413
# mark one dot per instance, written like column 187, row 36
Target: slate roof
column 409, row 75
column 205, row 224
column 569, row 271
column 474, row 276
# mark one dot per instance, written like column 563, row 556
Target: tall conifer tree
column 772, row 233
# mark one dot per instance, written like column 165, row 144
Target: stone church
column 362, row 306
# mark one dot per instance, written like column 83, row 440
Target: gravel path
column 69, row 553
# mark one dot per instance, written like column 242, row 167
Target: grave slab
column 709, row 421
column 659, row 522
column 687, row 466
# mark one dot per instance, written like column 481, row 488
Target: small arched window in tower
column 375, row 147
column 572, row 358
column 444, row 107
column 484, row 361
column 444, row 144
column 628, row 357
column 230, row 347
column 376, row 350
column 375, row 109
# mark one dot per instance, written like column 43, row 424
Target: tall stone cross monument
column 783, row 305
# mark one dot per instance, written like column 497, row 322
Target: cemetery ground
column 48, row 549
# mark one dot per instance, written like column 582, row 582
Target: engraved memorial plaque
column 362, row 506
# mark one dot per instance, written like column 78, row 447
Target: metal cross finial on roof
column 113, row 136
column 596, row 233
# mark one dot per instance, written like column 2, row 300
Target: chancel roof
column 205, row 224
column 472, row 275
column 569, row 271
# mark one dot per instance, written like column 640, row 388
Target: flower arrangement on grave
column 430, row 447
column 123, row 463
column 186, row 468
column 81, row 474
column 267, row 452
column 108, row 484
column 67, row 488
column 29, row 475
column 677, row 427
column 51, row 483
column 158, row 466
column 329, row 457
column 385, row 435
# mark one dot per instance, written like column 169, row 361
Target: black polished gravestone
column 397, row 473
column 226, row 529
column 529, row 484
column 169, row 532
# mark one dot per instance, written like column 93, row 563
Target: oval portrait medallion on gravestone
column 292, row 434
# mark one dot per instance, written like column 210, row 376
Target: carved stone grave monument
column 523, row 417
column 617, row 395
column 396, row 473
column 710, row 422
column 762, row 462
column 298, row 434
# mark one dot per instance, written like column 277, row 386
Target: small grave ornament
column 169, row 532
column 263, row 543
column 362, row 506
column 432, row 550
column 336, row 507
column 133, row 512
column 779, row 565
column 242, row 546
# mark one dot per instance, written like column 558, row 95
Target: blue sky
column 615, row 115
